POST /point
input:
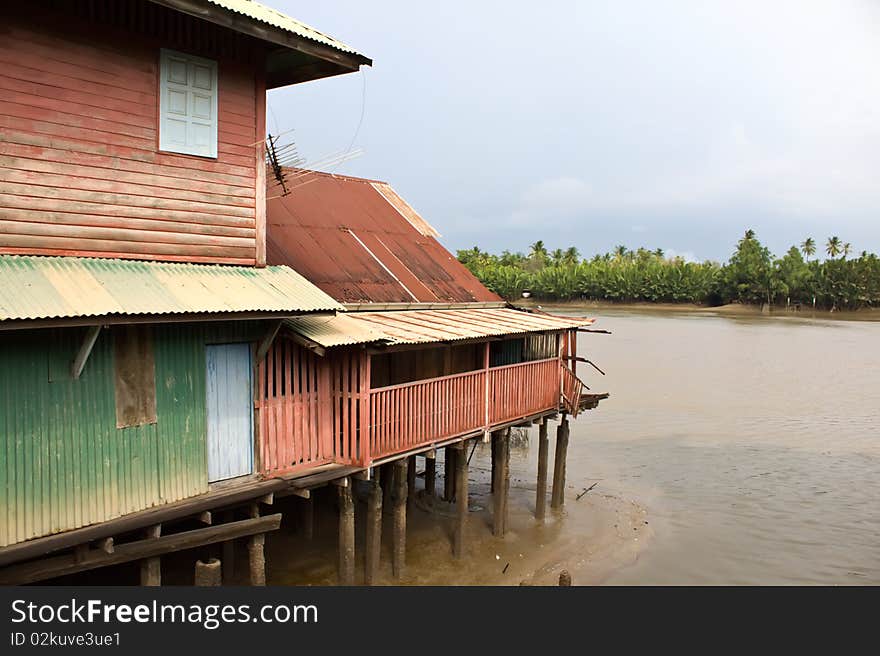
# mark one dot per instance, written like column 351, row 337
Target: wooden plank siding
column 80, row 169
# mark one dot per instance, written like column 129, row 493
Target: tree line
column 752, row 275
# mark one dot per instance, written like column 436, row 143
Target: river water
column 753, row 443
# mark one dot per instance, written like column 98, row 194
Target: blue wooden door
column 230, row 411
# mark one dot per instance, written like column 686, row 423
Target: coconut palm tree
column 833, row 246
column 846, row 250
column 572, row 255
column 808, row 247
column 538, row 250
column 620, row 251
column 750, row 235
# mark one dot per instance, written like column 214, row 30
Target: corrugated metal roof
column 33, row 287
column 339, row 330
column 264, row 14
column 361, row 243
column 427, row 326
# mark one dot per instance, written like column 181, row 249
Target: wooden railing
column 293, row 409
column 519, row 390
column 572, row 387
column 405, row 416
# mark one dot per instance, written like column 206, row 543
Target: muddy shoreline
column 731, row 309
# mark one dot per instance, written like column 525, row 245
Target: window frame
column 165, row 54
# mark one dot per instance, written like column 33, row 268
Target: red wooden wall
column 80, row 169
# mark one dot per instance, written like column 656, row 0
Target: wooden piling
column 461, row 500
column 410, row 481
column 502, row 482
column 493, row 444
column 151, row 568
column 387, row 480
column 374, row 533
column 564, row 579
column 257, row 559
column 398, row 535
column 207, row 573
column 543, row 452
column 430, row 476
column 228, row 552
column 557, row 497
column 449, row 474
column 308, row 517
column 346, row 535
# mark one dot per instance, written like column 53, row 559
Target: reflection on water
column 753, row 443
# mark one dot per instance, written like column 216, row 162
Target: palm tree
column 808, row 246
column 619, row 251
column 572, row 255
column 847, row 249
column 833, row 246
column 538, row 250
column 750, row 234
column 659, row 253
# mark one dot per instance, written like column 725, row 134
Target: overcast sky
column 669, row 124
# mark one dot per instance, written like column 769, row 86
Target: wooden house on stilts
column 181, row 342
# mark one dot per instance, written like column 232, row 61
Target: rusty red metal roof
column 360, row 242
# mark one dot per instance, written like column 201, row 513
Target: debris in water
column 586, row 489
column 504, row 571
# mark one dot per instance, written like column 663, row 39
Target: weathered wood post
column 151, row 568
column 502, row 482
column 410, row 481
column 461, row 500
column 256, row 552
column 564, row 579
column 257, row 559
column 346, row 532
column 449, row 474
column 430, row 474
column 228, row 555
column 387, row 479
column 307, row 517
column 374, row 532
column 557, row 497
column 493, row 444
column 398, row 535
column 543, row 452
column 207, row 573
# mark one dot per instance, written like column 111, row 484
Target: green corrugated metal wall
column 63, row 462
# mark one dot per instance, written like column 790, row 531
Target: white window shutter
column 187, row 104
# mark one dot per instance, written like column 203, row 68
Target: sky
column 674, row 125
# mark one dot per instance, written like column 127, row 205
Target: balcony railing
column 403, row 417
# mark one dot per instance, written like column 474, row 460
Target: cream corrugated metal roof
column 426, row 326
column 264, row 14
column 33, row 287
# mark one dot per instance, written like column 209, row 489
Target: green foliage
column 751, row 275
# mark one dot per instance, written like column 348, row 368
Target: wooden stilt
column 410, row 481
column 494, row 447
column 346, row 535
column 430, row 476
column 557, row 497
column 461, row 500
column 449, row 474
column 502, row 482
column 374, row 533
column 387, row 479
column 543, row 452
column 398, row 536
column 257, row 559
column 207, row 573
column 228, row 554
column 308, row 517
column 151, row 568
